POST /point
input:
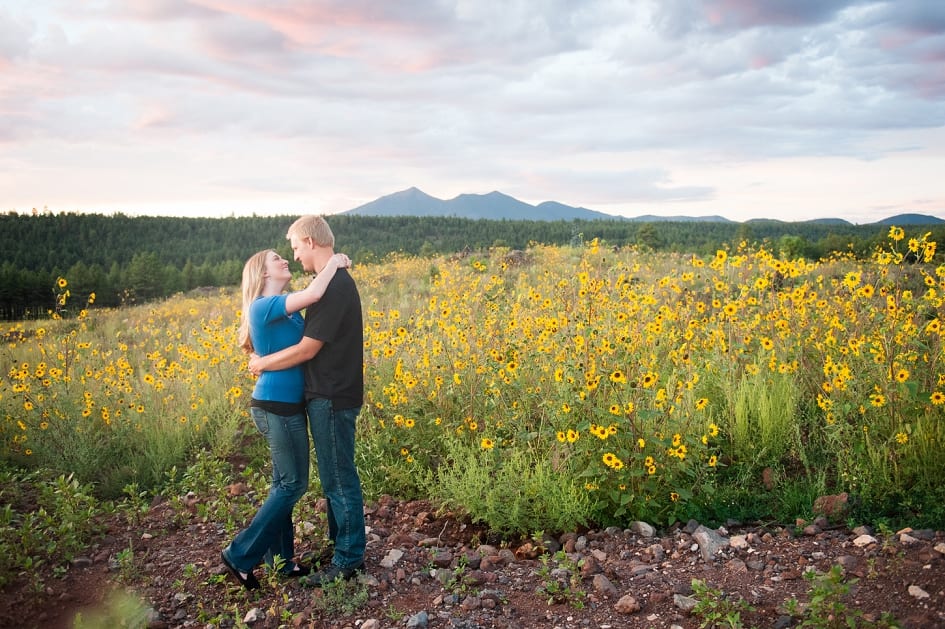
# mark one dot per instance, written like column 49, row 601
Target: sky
column 786, row 109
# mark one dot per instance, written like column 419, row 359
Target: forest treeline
column 126, row 259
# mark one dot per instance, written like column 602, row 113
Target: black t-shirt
column 336, row 372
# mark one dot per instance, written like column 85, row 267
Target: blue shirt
column 272, row 329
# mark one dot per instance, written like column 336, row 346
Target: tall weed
column 509, row 490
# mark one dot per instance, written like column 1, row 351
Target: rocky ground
column 428, row 569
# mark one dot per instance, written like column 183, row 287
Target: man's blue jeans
column 333, row 434
column 271, row 532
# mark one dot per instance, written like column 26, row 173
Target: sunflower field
column 544, row 389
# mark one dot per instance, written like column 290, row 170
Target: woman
column 270, row 321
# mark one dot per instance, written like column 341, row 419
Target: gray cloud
column 680, row 17
column 15, row 35
column 607, row 187
column 477, row 94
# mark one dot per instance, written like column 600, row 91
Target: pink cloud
column 759, row 62
column 375, row 34
column 315, row 24
column 154, row 117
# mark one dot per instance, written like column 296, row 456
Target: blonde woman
column 270, row 321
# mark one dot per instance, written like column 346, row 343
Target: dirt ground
column 434, row 570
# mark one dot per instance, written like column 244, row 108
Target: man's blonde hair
column 315, row 228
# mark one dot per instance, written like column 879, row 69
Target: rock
column 627, row 605
column 236, row 489
column 491, row 598
column 490, row 563
column 253, row 615
column 419, row 620
column 486, row 550
column 685, row 603
column 371, row 623
column 589, row 567
column 916, row 592
column 471, row 603
column 643, row 529
column 736, row 566
column 926, row 535
column 473, row 559
column 476, row 578
column 443, row 576
column 783, row 622
column 657, row 551
column 442, row 558
column 393, row 556
column 306, row 528
column 832, row 506
column 567, row 541
column 604, row 586
column 528, row 551
column 710, row 542
column 639, row 569
column 739, row 542
column 851, row 564
column 865, row 540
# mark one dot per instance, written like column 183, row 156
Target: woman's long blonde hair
column 254, row 281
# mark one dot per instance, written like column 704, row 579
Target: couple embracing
column 310, row 379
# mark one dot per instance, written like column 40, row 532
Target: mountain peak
column 493, row 205
column 412, row 191
column 496, row 205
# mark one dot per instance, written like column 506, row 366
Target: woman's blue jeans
column 271, row 532
column 333, row 434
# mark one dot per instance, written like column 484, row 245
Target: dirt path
column 420, row 563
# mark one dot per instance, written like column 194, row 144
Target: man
column 332, row 354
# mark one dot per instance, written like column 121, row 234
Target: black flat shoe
column 298, row 571
column 249, row 581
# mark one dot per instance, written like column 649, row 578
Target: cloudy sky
column 791, row 109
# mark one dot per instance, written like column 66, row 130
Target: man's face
column 302, row 250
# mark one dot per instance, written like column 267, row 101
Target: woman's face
column 277, row 268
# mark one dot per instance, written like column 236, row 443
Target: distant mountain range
column 496, row 206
